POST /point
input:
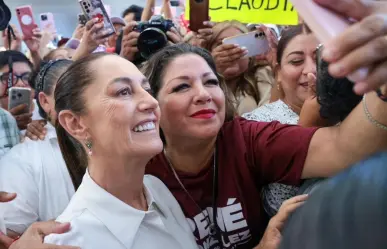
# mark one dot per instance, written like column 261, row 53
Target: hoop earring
column 89, row 145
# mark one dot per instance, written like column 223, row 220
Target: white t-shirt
column 100, row 221
column 36, row 171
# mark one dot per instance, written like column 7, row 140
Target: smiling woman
column 108, row 122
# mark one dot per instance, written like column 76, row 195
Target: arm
column 166, row 10
column 333, row 149
column 16, row 176
column 148, row 10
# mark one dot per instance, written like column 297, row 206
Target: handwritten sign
column 279, row 12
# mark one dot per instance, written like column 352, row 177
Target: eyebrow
column 129, row 81
column 296, row 52
column 187, row 77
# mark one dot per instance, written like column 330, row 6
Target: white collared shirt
column 100, row 221
column 36, row 171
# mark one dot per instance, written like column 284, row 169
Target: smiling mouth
column 148, row 126
column 304, row 84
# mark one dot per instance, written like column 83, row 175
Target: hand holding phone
column 255, row 42
column 96, row 9
column 198, row 14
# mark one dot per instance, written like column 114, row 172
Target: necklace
column 213, row 228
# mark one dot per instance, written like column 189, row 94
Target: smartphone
column 255, row 42
column 18, row 96
column 47, row 22
column 198, row 13
column 96, row 9
column 26, row 20
column 82, row 19
column 325, row 24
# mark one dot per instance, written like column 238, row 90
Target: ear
column 42, row 98
column 73, row 125
column 277, row 70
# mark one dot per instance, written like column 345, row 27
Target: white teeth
column 145, row 127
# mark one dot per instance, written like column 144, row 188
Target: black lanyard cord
column 11, row 34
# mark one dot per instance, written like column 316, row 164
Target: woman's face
column 191, row 101
column 22, row 73
column 298, row 59
column 121, row 116
column 242, row 65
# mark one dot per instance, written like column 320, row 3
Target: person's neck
column 296, row 108
column 121, row 177
column 190, row 156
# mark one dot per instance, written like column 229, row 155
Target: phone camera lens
column 44, row 17
column 256, row 35
column 19, row 95
column 87, row 11
column 84, row 3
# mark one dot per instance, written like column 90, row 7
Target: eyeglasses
column 4, row 78
column 25, row 78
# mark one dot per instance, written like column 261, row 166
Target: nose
column 147, row 102
column 202, row 96
column 310, row 66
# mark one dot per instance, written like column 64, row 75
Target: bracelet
column 370, row 118
column 381, row 96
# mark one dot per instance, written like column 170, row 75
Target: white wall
column 66, row 11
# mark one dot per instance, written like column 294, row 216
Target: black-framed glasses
column 25, row 78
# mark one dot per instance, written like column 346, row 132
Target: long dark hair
column 154, row 70
column 69, row 96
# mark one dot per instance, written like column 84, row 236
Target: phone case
column 47, row 22
column 18, row 96
column 255, row 42
column 26, row 20
column 96, row 9
column 324, row 23
column 198, row 13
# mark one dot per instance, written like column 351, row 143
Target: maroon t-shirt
column 250, row 155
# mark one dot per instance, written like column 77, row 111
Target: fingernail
column 205, row 22
column 359, row 75
column 41, row 137
column 360, row 88
column 34, row 137
column 243, row 48
column 336, row 69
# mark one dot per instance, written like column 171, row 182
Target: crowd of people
column 196, row 145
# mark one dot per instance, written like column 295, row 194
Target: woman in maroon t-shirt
column 215, row 164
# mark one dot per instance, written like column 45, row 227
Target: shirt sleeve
column 16, row 176
column 277, row 152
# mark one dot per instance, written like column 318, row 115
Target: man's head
column 133, row 13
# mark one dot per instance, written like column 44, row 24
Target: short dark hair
column 137, row 10
column 69, row 95
column 348, row 211
column 16, row 57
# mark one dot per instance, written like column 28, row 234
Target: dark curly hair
column 335, row 95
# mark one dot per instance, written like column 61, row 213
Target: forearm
column 335, row 148
column 166, row 10
column 36, row 59
column 148, row 10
